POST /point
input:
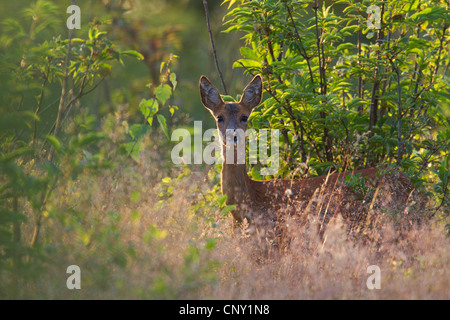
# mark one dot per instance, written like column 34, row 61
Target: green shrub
column 345, row 95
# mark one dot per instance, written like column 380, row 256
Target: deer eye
column 244, row 119
column 220, row 119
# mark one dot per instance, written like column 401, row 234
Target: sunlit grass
column 135, row 237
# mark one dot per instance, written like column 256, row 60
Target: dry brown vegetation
column 138, row 238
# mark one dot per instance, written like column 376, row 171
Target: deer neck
column 236, row 184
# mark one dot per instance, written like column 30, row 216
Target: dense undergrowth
column 86, row 177
column 137, row 238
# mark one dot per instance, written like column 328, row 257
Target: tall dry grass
column 137, row 238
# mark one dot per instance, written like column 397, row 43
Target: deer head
column 231, row 118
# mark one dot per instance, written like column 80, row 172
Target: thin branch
column 205, row 4
column 303, row 54
column 16, row 227
column 302, row 128
column 40, row 99
column 323, row 84
column 72, row 102
column 64, row 83
column 38, row 224
column 316, row 7
column 446, row 69
column 399, row 114
column 294, row 119
column 80, row 94
column 386, row 83
column 438, row 61
column 373, row 113
column 443, row 199
column 359, row 65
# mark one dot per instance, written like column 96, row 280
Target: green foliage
column 154, row 107
column 357, row 183
column 84, row 173
column 347, row 96
column 36, row 156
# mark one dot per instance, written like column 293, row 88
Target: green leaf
column 138, row 130
column 89, row 139
column 256, row 174
column 173, row 80
column 163, row 124
column 222, row 200
column 230, row 4
column 429, row 14
column 227, row 98
column 77, row 41
column 227, row 209
column 15, row 154
column 249, row 53
column 345, row 46
column 54, row 142
column 133, row 149
column 246, row 63
column 133, row 53
column 92, row 34
column 149, row 108
column 99, row 33
column 163, row 93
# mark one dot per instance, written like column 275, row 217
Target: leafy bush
column 36, row 155
column 345, row 95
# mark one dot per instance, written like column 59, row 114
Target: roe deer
column 261, row 199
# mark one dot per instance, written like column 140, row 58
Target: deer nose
column 232, row 135
column 235, row 135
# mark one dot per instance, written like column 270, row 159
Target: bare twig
column 373, row 113
column 38, row 224
column 303, row 54
column 432, row 152
column 399, row 114
column 323, row 84
column 444, row 199
column 64, row 83
column 16, row 227
column 438, row 61
column 41, row 96
column 205, row 4
column 321, row 67
column 359, row 65
column 80, row 94
column 294, row 119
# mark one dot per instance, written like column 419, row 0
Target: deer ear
column 210, row 95
column 252, row 93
